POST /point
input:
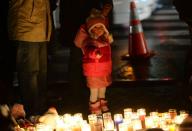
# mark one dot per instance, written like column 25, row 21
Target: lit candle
column 137, row 124
column 142, row 113
column 67, row 118
column 123, row 127
column 99, row 124
column 172, row 113
column 107, row 116
column 109, row 125
column 85, row 127
column 155, row 119
column 92, row 118
column 118, row 118
column 76, row 127
column 129, row 124
column 107, row 121
column 179, row 119
column 183, row 114
column 60, row 124
column 78, row 117
column 130, row 127
column 172, row 127
column 128, row 113
column 149, row 122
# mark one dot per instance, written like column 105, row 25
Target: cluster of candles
column 128, row 121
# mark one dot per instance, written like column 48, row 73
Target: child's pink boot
column 104, row 105
column 95, row 107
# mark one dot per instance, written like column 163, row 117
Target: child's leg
column 101, row 92
column 103, row 101
column 93, row 94
column 94, row 104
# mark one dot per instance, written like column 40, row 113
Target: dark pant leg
column 28, row 62
column 42, row 76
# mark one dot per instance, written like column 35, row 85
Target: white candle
column 67, row 118
column 172, row 113
column 128, row 113
column 149, row 122
column 109, row 125
column 118, row 118
column 123, row 127
column 107, row 121
column 92, row 118
column 142, row 113
column 86, row 127
column 60, row 126
column 137, row 124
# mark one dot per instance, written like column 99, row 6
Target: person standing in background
column 184, row 9
column 29, row 28
column 52, row 46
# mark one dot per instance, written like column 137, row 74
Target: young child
column 94, row 40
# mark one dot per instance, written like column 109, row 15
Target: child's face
column 98, row 30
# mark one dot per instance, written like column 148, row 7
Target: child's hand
column 108, row 38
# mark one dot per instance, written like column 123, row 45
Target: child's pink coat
column 92, row 66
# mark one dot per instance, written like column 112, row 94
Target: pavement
column 154, row 84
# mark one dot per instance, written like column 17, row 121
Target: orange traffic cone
column 137, row 46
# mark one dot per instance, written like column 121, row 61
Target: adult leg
column 42, row 77
column 28, row 69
